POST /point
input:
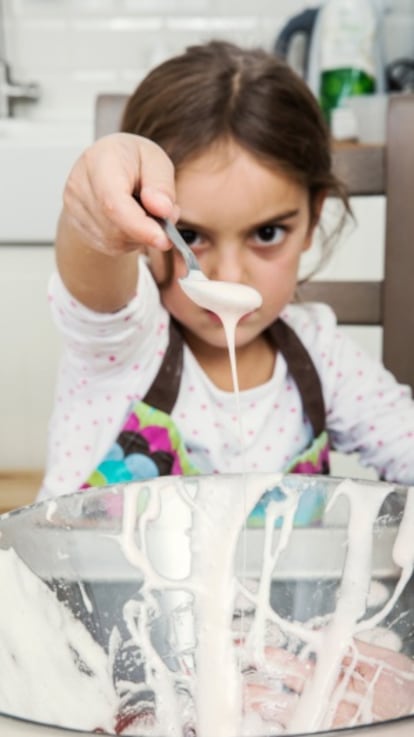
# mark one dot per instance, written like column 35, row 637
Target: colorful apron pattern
column 149, row 443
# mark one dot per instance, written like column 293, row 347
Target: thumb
column 157, row 182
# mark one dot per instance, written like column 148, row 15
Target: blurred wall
column 76, row 48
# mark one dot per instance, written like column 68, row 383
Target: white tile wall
column 77, row 48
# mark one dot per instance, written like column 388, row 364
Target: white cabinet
column 29, row 355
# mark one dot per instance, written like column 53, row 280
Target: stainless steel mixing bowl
column 116, row 603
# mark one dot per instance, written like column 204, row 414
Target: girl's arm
column 102, row 227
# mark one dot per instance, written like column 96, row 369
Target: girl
column 232, row 146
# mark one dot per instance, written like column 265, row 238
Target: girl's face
column 246, row 223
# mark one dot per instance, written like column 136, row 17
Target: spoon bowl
column 221, row 297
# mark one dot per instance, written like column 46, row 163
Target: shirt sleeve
column 100, row 344
column 367, row 410
column 107, row 361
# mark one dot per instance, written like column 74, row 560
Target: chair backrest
column 366, row 170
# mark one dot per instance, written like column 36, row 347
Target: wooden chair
column 366, row 170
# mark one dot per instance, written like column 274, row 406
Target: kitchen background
column 60, row 54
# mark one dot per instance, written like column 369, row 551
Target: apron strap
column 303, row 371
column 163, row 391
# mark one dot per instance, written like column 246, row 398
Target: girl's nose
column 226, row 264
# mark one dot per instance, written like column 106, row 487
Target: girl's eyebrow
column 277, row 218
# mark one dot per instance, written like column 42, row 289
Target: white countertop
column 35, row 159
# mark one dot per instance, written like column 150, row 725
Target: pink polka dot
column 112, row 358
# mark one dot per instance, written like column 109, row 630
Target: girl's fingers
column 274, row 689
column 139, row 166
column 273, row 705
column 98, row 194
column 376, row 679
column 294, row 671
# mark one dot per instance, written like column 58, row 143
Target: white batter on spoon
column 229, row 301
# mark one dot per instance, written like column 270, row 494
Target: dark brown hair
column 217, row 91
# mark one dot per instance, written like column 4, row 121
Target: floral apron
column 149, row 443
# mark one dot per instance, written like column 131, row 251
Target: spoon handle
column 175, row 237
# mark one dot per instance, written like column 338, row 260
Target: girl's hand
column 374, row 677
column 97, row 196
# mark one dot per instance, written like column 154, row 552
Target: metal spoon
column 193, row 267
column 178, row 241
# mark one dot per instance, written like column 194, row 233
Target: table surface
column 18, row 488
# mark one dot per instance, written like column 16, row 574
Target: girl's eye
column 269, row 235
column 191, row 237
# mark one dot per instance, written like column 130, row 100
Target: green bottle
column 338, row 84
column 349, row 56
